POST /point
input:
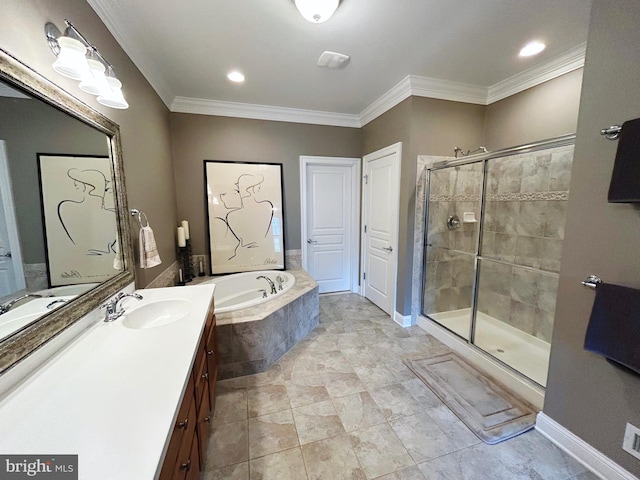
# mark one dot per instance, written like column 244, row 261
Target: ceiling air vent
column 333, row 60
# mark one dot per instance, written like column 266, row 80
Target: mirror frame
column 21, row 344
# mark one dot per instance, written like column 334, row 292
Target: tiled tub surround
column 252, row 339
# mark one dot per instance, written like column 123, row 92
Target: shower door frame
column 561, row 141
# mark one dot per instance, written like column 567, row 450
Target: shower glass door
column 452, row 243
column 495, row 228
column 522, row 233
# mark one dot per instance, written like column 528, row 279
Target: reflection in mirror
column 38, row 119
column 58, row 228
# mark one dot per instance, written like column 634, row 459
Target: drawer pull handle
column 207, row 418
column 205, row 375
column 210, row 352
column 186, row 466
column 184, row 424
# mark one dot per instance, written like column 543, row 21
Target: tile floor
column 341, row 405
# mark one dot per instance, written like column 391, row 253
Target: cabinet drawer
column 201, row 378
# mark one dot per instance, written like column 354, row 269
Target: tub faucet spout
column 271, row 284
column 7, row 306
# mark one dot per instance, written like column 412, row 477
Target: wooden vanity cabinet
column 188, row 444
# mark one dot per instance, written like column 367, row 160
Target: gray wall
column 585, row 393
column 30, row 127
column 146, row 139
column 544, row 111
column 201, row 137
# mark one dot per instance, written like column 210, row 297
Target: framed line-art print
column 245, row 216
column 79, row 218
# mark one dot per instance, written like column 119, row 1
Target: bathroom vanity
column 132, row 398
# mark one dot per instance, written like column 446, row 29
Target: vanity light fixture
column 80, row 60
column 317, row 11
column 532, row 48
column 235, row 76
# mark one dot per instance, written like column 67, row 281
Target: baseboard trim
column 518, row 384
column 580, row 450
column 402, row 320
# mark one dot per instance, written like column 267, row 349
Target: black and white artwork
column 79, row 218
column 244, row 211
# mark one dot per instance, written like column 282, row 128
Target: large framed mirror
column 64, row 227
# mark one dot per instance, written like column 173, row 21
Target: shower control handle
column 388, row 249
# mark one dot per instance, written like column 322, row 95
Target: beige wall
column 425, row 126
column 146, row 139
column 545, row 111
column 201, row 137
column 585, row 393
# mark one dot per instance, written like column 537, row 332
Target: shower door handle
column 6, row 255
column 311, row 241
column 388, row 249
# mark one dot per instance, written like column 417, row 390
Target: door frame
column 396, row 149
column 354, row 163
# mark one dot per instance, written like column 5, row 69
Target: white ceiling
column 185, row 48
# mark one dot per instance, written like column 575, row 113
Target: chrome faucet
column 7, row 306
column 271, row 284
column 280, row 281
column 113, row 308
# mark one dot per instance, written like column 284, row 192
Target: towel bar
column 592, row 281
column 612, row 133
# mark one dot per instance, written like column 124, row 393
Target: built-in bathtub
column 244, row 290
column 254, row 337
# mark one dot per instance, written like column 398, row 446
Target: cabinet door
column 193, row 472
column 212, row 363
column 184, row 463
column 204, row 425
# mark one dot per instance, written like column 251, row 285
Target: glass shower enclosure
column 494, row 231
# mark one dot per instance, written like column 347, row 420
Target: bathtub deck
column 252, row 339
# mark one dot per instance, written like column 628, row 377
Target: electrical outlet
column 631, row 442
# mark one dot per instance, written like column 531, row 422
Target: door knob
column 388, row 249
column 312, row 241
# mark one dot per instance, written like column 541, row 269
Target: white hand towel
column 149, row 256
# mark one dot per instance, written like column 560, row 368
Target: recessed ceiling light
column 235, row 76
column 532, row 48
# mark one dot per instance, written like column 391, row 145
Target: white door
column 11, row 271
column 381, row 198
column 329, row 227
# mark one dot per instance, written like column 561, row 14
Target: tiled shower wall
column 521, row 243
column 525, row 215
column 450, row 257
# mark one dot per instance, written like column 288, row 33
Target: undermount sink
column 157, row 313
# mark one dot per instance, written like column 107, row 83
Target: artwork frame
column 244, row 202
column 87, row 196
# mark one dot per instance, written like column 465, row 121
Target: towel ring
column 140, row 215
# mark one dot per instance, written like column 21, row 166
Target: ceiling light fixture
column 317, row 11
column 532, row 48
column 80, row 60
column 235, row 76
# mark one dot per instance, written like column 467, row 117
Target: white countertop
column 111, row 396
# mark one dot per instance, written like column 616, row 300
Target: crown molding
column 220, row 108
column 414, row 85
column 108, row 10
column 564, row 63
